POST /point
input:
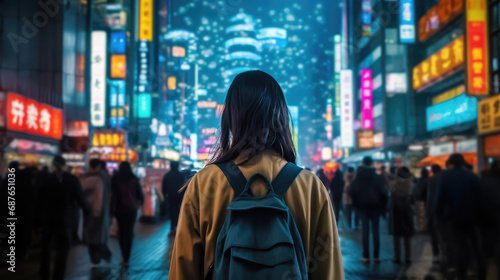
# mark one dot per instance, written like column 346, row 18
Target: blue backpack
column 259, row 238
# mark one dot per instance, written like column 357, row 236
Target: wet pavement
column 150, row 258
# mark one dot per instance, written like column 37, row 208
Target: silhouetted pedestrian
column 401, row 213
column 336, row 192
column 126, row 198
column 490, row 212
column 432, row 226
column 346, row 198
column 56, row 203
column 457, row 207
column 369, row 195
column 171, row 184
column 324, row 179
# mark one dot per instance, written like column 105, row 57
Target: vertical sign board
column 346, row 109
column 477, row 56
column 98, row 79
column 146, row 20
column 406, row 22
column 143, row 97
column 338, row 65
column 345, row 35
column 366, row 17
column 366, row 99
column 489, row 115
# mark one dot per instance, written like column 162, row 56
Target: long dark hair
column 255, row 119
column 125, row 172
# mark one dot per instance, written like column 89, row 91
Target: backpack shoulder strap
column 285, row 178
column 233, row 174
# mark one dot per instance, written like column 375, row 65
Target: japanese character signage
column 146, row 20
column 366, row 17
column 477, row 47
column 489, row 115
column 108, row 138
column 406, row 21
column 346, row 109
column 439, row 64
column 366, row 99
column 27, row 115
column 437, row 17
column 98, row 79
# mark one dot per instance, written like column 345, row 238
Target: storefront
column 489, row 130
column 438, row 153
column 32, row 130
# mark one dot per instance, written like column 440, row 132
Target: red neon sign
column 477, row 48
column 27, row 115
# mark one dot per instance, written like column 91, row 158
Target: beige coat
column 204, row 209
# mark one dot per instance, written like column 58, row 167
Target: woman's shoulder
column 309, row 183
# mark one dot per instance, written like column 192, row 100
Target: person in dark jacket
column 369, row 195
column 457, row 206
column 56, row 201
column 346, row 197
column 401, row 213
column 490, row 212
column 171, row 184
column 337, row 189
column 430, row 194
column 324, row 179
column 126, row 198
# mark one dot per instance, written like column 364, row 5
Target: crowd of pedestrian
column 461, row 211
column 51, row 207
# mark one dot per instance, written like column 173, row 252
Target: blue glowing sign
column 457, row 110
column 407, row 21
column 117, row 93
column 118, row 42
column 143, row 105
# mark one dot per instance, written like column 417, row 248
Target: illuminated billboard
column 29, row 116
column 477, row 55
column 98, row 79
column 143, row 105
column 146, row 20
column 338, row 65
column 118, row 42
column 489, row 115
column 117, row 93
column 457, row 110
column 118, row 66
column 439, row 64
column 437, row 17
column 366, row 99
column 346, row 109
column 366, row 17
column 407, row 21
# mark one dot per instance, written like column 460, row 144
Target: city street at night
column 150, row 259
column 250, row 139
